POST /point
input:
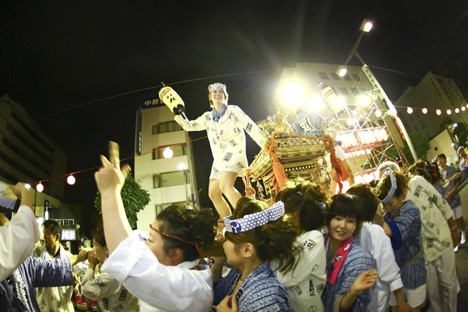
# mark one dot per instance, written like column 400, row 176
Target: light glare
column 168, row 153
column 293, row 94
column 71, row 179
column 40, row 187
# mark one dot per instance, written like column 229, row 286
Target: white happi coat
column 18, row 238
column 159, row 287
column 226, row 137
column 58, row 298
column 306, row 281
column 373, row 239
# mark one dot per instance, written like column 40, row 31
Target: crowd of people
column 379, row 246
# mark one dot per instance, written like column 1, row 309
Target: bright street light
column 293, row 94
column 366, row 25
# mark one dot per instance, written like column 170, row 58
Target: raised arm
column 18, row 236
column 110, row 180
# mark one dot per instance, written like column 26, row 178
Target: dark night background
column 81, row 68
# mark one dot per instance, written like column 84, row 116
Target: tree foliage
column 421, row 146
column 134, row 198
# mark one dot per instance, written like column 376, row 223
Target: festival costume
column 226, row 137
column 406, row 243
column 260, row 291
column 373, row 240
column 306, row 281
column 57, row 299
column 159, row 287
column 18, row 238
column 437, row 244
column 308, row 124
column 107, row 291
column 339, row 281
column 17, row 293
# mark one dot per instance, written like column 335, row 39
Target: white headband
column 217, row 85
column 393, row 186
column 254, row 220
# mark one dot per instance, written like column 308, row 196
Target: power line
column 150, row 88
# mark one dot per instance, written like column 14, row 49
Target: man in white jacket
column 18, row 236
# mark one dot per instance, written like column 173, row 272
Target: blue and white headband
column 393, row 186
column 254, row 220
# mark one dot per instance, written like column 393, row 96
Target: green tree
column 134, row 198
column 421, row 146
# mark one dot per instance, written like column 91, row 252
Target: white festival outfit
column 107, row 291
column 226, row 136
column 18, row 238
column 437, row 244
column 306, row 281
column 159, row 287
column 373, row 239
column 57, row 299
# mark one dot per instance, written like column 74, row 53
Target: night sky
column 81, row 68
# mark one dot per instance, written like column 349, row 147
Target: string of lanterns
column 438, row 111
column 167, row 153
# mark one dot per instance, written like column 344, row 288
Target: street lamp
column 366, row 26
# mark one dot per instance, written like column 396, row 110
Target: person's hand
column 250, row 191
column 449, row 196
column 455, row 237
column 18, row 189
column 364, row 281
column 82, row 255
column 111, row 177
column 228, row 304
column 92, row 260
column 404, row 307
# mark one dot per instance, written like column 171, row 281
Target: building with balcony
column 168, row 180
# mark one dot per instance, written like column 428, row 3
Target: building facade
column 168, row 180
column 28, row 155
column 432, row 92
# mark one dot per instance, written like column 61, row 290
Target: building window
column 356, row 77
column 344, row 91
column 179, row 150
column 355, row 91
column 166, row 126
column 323, row 76
column 335, row 76
column 167, row 179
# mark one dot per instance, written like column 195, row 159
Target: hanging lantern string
column 77, row 172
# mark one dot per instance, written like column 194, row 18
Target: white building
column 432, row 92
column 167, row 180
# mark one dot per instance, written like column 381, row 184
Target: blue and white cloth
column 17, row 293
column 406, row 243
column 356, row 262
column 261, row 291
